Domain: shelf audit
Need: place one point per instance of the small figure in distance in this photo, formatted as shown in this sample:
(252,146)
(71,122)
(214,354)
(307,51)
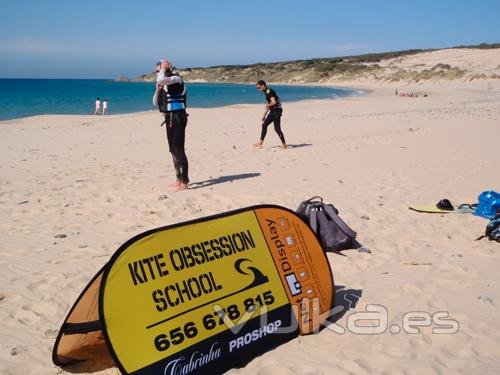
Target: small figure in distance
(105,106)
(97,106)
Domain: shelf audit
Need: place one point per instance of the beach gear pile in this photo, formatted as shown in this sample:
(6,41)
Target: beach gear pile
(489,208)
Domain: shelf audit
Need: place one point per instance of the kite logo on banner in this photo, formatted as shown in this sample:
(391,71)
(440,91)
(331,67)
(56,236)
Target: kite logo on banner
(203,296)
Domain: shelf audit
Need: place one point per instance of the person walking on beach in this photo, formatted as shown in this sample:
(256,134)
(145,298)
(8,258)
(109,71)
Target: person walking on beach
(170,97)
(272,114)
(105,106)
(97,106)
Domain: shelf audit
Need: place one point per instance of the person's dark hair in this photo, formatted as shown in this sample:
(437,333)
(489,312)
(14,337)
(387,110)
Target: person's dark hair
(98,99)
(261,82)
(105,99)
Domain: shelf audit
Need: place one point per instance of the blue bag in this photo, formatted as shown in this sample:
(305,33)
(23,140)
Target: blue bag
(489,204)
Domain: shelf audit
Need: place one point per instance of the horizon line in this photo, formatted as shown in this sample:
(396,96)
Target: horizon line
(472,46)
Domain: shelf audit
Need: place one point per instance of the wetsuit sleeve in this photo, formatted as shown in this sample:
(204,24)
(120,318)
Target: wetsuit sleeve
(163,80)
(155,99)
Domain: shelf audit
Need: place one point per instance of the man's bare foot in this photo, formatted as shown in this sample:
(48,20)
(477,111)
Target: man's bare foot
(284,145)
(175,184)
(258,144)
(182,186)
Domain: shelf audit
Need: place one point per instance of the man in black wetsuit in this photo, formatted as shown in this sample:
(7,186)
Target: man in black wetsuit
(170,97)
(272,114)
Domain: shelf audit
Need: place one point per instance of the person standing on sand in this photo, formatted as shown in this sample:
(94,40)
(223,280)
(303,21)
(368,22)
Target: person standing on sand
(105,106)
(97,106)
(170,97)
(272,114)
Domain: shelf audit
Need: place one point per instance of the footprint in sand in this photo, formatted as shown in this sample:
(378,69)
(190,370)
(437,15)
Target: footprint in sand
(9,298)
(486,299)
(43,284)
(486,347)
(25,317)
(411,289)
(16,350)
(41,309)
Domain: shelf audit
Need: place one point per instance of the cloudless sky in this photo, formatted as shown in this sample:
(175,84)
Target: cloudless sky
(110,38)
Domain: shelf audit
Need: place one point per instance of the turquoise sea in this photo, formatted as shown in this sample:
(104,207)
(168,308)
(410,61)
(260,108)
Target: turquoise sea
(28,97)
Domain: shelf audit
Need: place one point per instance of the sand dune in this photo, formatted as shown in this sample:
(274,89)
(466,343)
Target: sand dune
(413,66)
(73,188)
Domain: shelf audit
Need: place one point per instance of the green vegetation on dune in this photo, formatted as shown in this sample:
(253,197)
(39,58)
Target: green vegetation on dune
(318,70)
(482,46)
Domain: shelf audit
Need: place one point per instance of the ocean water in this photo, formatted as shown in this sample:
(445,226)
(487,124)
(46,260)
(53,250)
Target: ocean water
(28,97)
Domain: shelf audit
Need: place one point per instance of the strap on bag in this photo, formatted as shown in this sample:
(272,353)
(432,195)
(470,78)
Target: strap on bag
(317,197)
(313,220)
(340,223)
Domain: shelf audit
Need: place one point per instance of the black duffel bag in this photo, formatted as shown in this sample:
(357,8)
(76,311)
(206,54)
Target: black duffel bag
(324,220)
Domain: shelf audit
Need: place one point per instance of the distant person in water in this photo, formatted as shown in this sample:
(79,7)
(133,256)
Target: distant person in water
(272,114)
(170,98)
(97,106)
(105,106)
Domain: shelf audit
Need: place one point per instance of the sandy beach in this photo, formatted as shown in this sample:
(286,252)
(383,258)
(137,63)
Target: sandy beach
(74,188)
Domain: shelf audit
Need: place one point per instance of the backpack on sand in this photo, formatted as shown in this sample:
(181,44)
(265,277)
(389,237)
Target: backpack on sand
(334,233)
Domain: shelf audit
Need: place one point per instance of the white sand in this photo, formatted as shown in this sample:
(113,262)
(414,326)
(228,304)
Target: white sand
(98,180)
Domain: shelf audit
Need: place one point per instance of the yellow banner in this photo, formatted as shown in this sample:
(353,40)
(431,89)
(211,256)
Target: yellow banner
(176,287)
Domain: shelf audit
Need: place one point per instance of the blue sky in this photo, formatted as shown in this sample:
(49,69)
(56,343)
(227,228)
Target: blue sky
(109,38)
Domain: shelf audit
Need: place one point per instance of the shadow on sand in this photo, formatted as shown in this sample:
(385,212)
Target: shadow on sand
(356,245)
(345,300)
(299,145)
(221,180)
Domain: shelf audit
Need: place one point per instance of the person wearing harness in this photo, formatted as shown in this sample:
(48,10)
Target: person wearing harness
(272,114)
(170,98)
